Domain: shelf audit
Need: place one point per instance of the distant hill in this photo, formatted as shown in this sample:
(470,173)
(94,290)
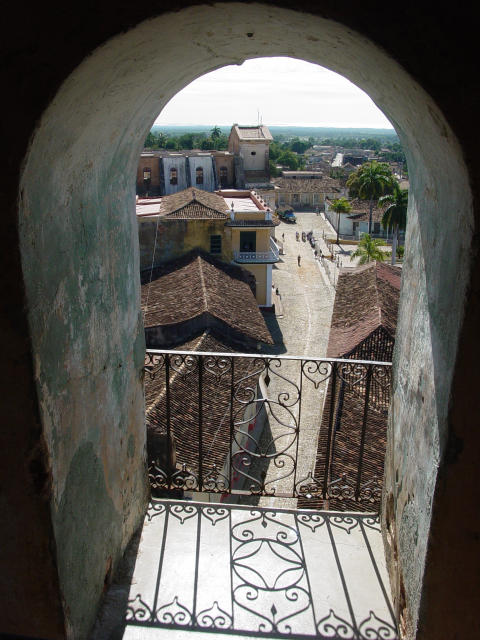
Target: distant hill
(288,131)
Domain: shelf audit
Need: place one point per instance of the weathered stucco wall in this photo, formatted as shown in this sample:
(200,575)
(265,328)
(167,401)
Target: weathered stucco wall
(80,264)
(175,238)
(81,269)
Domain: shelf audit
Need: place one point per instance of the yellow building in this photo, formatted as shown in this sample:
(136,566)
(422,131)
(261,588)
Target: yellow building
(235,226)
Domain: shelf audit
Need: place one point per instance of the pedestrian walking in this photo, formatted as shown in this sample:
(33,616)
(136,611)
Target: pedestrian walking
(298,259)
(283,237)
(316,254)
(297,235)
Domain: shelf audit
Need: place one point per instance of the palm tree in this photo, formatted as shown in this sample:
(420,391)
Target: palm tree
(216,132)
(369,249)
(340,205)
(395,215)
(369,182)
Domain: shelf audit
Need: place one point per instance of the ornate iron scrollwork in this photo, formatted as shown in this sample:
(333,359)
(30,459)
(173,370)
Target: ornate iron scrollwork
(266,390)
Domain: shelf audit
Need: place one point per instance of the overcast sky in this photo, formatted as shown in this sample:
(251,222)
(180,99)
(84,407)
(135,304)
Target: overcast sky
(283,90)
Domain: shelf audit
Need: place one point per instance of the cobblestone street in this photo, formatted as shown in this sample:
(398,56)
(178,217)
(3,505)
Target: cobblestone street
(300,327)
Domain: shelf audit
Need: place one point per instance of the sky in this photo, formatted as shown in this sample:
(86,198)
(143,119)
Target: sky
(282,91)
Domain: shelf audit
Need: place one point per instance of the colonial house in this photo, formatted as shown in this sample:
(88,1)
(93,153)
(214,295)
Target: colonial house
(363,327)
(354,224)
(306,190)
(232,225)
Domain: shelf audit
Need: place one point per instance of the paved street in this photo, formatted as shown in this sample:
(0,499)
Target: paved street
(300,328)
(306,295)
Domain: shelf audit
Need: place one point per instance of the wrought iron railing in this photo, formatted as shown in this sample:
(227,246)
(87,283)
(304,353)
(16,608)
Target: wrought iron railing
(307,428)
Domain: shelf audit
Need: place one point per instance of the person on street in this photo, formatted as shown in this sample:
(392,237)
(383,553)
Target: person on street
(298,259)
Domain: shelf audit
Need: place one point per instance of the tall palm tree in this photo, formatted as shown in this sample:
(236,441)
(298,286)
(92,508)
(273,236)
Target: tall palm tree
(395,215)
(340,205)
(370,181)
(215,133)
(369,249)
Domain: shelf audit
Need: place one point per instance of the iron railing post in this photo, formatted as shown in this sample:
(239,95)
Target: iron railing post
(200,422)
(169,456)
(330,433)
(363,434)
(230,449)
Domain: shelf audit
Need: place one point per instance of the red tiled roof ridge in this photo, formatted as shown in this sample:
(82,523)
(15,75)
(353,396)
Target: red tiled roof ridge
(366,299)
(226,295)
(175,202)
(202,283)
(198,341)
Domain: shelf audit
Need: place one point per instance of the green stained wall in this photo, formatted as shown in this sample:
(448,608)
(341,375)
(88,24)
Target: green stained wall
(174,238)
(81,268)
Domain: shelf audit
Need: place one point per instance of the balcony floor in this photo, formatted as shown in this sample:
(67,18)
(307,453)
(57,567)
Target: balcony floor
(252,572)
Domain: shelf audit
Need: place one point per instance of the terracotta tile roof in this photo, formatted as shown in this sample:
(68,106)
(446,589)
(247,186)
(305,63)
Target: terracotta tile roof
(197,285)
(366,298)
(361,211)
(308,185)
(184,405)
(348,410)
(363,327)
(194,203)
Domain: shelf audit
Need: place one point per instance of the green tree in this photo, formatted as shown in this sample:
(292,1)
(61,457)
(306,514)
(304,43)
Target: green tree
(340,205)
(186,141)
(395,215)
(171,143)
(275,151)
(273,169)
(161,140)
(215,133)
(370,181)
(207,144)
(369,249)
(288,159)
(150,141)
(299,146)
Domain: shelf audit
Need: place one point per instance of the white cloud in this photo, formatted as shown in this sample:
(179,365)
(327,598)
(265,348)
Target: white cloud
(283,90)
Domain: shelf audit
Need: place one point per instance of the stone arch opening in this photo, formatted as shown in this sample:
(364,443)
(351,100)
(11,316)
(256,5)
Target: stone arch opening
(80,263)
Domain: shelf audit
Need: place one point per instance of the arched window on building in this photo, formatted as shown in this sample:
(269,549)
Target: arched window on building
(173,176)
(199,175)
(223,176)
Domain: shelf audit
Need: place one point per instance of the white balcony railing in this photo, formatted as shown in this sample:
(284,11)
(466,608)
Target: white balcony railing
(256,256)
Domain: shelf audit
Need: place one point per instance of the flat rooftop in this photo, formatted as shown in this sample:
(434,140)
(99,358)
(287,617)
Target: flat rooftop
(148,206)
(242,205)
(243,202)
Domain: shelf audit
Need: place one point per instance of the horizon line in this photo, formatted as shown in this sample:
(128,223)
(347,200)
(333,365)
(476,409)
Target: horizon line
(305,126)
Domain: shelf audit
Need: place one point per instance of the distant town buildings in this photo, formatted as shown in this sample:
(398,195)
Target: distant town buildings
(354,224)
(244,166)
(306,190)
